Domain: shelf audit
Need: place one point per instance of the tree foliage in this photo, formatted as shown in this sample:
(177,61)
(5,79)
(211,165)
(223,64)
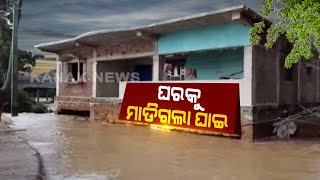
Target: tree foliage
(24,58)
(298,20)
(27,60)
(5,43)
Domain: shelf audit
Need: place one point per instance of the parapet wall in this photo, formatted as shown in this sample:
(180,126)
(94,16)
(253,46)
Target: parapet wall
(107,111)
(71,104)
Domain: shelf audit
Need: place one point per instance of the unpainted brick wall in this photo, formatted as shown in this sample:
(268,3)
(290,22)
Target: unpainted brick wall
(106,112)
(131,47)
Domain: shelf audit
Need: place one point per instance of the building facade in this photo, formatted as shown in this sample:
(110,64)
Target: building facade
(94,68)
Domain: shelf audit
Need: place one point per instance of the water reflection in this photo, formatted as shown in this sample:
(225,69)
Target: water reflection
(76,149)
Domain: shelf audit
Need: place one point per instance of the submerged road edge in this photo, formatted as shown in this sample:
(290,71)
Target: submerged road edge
(19,159)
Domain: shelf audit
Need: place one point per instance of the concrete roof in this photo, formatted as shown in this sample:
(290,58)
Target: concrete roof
(110,37)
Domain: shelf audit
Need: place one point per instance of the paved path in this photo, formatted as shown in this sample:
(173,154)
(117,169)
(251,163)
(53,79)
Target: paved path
(18,160)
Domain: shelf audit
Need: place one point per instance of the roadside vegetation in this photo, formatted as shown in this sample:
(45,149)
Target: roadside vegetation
(26,59)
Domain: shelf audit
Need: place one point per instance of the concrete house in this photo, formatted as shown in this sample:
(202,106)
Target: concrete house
(207,47)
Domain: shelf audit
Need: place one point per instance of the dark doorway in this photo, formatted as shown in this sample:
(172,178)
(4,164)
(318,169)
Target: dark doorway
(145,72)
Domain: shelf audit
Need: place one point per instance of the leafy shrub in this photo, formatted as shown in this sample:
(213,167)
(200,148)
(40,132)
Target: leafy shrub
(27,104)
(39,108)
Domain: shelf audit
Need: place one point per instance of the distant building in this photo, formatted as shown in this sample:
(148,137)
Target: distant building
(40,83)
(208,47)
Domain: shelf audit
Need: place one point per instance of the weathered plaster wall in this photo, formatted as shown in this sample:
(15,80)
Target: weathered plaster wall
(265,92)
(265,75)
(288,92)
(303,87)
(212,65)
(288,81)
(211,37)
(288,87)
(309,83)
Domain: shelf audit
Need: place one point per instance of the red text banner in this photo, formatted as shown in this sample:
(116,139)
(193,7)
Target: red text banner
(211,107)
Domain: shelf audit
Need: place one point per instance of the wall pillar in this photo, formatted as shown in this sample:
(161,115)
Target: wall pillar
(58,75)
(94,74)
(246,95)
(158,68)
(247,88)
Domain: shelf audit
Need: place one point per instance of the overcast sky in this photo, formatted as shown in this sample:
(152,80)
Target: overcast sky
(50,20)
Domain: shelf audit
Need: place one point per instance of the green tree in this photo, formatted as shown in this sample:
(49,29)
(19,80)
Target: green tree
(298,20)
(24,57)
(5,44)
(27,60)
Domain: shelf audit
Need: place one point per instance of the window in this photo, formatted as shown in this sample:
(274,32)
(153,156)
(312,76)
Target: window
(73,71)
(76,70)
(174,70)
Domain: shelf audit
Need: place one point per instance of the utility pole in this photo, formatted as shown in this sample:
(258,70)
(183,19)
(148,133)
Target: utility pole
(15,66)
(14,76)
(16,15)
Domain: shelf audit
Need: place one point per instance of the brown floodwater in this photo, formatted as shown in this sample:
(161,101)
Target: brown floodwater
(73,148)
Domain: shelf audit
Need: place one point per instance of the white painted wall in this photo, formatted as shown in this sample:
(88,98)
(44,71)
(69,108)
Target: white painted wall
(122,89)
(246,82)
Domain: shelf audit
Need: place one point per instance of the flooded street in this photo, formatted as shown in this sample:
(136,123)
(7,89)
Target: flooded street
(73,148)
